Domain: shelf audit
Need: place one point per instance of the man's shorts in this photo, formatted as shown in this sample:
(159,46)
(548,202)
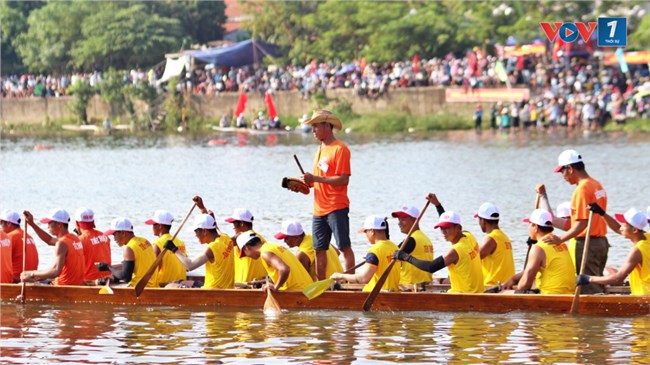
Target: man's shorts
(337,223)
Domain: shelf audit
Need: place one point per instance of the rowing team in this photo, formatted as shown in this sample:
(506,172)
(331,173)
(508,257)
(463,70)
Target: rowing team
(85,258)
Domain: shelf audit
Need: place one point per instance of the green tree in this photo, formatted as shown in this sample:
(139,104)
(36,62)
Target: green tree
(52,31)
(13,21)
(123,36)
(82,92)
(201,21)
(640,39)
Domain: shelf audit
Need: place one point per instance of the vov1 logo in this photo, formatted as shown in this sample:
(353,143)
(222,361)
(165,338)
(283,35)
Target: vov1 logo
(612,32)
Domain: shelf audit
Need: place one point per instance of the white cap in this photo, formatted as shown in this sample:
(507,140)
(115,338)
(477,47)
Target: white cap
(240,214)
(447,219)
(119,224)
(633,217)
(57,215)
(407,210)
(84,215)
(563,210)
(204,221)
(374,222)
(10,216)
(540,217)
(161,217)
(243,239)
(567,157)
(289,228)
(488,211)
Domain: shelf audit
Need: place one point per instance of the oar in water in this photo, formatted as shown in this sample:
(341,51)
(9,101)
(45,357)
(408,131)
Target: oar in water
(22,287)
(317,288)
(583,264)
(382,279)
(271,304)
(145,279)
(106,289)
(530,244)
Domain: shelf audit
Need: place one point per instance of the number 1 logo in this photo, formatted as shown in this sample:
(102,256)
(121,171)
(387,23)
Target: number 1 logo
(612,32)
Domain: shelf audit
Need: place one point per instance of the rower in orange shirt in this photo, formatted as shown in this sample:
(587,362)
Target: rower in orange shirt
(10,223)
(69,264)
(97,245)
(6,268)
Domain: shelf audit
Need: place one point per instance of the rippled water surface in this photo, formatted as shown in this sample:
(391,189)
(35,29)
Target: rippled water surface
(125,176)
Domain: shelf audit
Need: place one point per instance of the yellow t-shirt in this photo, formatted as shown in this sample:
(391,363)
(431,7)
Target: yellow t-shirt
(144,258)
(383,250)
(171,269)
(572,251)
(247,269)
(640,276)
(298,277)
(220,274)
(499,266)
(333,262)
(423,250)
(559,275)
(466,275)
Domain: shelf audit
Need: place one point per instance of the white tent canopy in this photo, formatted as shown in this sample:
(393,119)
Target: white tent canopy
(174,67)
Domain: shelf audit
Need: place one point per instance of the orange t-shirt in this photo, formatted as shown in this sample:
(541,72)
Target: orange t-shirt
(6,268)
(589,191)
(332,160)
(31,262)
(97,248)
(75,265)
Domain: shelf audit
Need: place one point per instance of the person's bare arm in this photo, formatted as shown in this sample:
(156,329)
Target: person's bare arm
(362,276)
(40,232)
(283,269)
(340,180)
(634,258)
(487,246)
(60,252)
(535,261)
(304,260)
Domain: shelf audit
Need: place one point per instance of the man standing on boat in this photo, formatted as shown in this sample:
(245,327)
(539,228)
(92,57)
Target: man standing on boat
(284,269)
(246,269)
(294,236)
(418,246)
(10,224)
(137,258)
(588,191)
(549,265)
(462,260)
(496,250)
(218,256)
(171,269)
(330,178)
(97,245)
(69,264)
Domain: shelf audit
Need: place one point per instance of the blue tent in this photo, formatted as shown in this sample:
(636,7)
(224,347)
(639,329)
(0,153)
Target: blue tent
(240,54)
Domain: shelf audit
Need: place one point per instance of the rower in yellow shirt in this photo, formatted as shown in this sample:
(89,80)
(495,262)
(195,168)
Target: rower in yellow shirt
(138,255)
(462,259)
(549,265)
(246,269)
(294,235)
(283,268)
(496,250)
(378,258)
(418,246)
(171,269)
(637,263)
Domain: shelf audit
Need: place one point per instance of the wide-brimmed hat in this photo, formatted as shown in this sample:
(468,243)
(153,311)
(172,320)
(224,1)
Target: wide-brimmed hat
(320,116)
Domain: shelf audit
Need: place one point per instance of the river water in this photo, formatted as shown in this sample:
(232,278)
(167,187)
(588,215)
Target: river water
(125,176)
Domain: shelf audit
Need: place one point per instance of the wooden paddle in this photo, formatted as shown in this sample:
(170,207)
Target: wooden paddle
(271,304)
(145,279)
(22,286)
(528,252)
(583,264)
(317,288)
(375,291)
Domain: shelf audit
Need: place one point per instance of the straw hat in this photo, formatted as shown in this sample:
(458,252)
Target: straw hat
(326,116)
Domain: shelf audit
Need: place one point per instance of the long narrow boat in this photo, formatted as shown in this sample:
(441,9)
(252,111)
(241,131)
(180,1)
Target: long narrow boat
(609,305)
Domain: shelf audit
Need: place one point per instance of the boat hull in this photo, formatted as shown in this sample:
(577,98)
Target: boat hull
(610,305)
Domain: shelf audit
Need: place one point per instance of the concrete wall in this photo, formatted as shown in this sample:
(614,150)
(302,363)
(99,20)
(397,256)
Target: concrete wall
(414,101)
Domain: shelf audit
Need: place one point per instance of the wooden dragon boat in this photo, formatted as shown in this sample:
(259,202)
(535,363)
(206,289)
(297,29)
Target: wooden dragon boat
(604,305)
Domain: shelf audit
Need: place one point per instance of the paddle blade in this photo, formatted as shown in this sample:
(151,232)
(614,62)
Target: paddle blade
(315,289)
(271,305)
(377,288)
(106,290)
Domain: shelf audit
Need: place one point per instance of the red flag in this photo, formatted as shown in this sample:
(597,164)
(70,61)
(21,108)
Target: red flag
(557,46)
(416,63)
(270,106)
(520,63)
(241,104)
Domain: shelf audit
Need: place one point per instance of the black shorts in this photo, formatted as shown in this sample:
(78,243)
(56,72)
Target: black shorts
(337,223)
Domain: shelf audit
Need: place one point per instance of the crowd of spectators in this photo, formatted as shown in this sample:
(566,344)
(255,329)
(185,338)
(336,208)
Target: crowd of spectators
(567,92)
